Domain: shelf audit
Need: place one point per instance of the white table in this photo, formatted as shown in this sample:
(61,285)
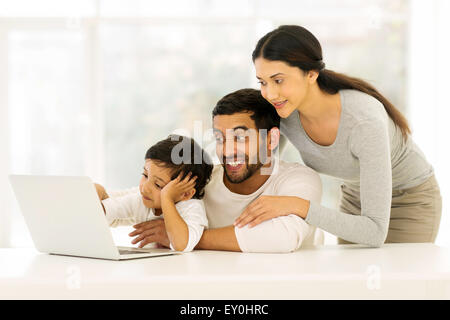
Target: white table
(394,271)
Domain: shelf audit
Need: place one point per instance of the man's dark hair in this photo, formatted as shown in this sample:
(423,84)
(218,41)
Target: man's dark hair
(249,100)
(194,159)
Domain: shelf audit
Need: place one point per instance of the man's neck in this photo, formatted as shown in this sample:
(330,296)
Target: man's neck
(251,184)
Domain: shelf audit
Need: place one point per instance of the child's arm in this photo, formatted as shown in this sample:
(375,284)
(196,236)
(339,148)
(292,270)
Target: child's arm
(126,210)
(176,228)
(102,195)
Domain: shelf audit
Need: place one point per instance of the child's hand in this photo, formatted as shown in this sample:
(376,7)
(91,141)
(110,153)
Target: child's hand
(101,192)
(176,189)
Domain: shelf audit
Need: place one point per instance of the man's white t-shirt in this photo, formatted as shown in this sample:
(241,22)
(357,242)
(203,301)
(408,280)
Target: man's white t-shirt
(127,208)
(281,234)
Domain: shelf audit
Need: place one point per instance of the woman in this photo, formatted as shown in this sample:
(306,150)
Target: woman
(343,127)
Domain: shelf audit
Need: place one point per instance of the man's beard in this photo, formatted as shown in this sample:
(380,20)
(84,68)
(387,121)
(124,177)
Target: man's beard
(250,170)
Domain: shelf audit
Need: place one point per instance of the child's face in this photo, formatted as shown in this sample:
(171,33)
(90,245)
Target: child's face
(154,178)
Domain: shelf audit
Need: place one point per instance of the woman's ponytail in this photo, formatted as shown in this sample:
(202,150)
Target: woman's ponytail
(299,48)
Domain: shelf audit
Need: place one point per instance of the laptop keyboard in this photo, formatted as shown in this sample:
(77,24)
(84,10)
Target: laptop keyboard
(131,252)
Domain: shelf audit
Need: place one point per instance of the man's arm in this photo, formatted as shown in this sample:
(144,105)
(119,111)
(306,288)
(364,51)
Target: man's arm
(282,234)
(219,239)
(212,239)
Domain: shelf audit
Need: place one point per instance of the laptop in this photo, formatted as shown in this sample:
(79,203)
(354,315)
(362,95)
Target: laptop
(65,217)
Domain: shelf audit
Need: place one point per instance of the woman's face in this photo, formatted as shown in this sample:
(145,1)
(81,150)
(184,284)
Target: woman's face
(285,87)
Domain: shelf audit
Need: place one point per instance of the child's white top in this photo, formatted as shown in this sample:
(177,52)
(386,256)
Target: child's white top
(127,208)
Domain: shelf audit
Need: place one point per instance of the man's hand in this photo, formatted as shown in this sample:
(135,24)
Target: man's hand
(150,231)
(101,192)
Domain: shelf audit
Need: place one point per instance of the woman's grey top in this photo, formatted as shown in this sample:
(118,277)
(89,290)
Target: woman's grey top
(370,156)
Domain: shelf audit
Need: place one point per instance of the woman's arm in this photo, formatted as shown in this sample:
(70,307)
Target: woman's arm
(268,207)
(370,144)
(293,192)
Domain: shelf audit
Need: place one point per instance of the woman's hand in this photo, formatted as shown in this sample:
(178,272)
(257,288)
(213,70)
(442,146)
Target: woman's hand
(269,207)
(150,231)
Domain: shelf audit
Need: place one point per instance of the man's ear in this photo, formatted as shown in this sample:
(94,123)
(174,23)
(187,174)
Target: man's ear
(274,138)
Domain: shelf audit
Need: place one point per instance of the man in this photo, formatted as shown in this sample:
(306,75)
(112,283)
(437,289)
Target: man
(248,176)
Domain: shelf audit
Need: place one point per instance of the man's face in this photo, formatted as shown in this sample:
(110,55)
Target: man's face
(238,145)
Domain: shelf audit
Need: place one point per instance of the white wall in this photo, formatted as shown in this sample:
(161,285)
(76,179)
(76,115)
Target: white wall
(429,106)
(5,191)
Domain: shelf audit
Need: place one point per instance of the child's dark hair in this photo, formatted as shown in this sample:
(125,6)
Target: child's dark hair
(183,155)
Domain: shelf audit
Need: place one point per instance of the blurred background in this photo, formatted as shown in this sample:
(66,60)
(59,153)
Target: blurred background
(86,86)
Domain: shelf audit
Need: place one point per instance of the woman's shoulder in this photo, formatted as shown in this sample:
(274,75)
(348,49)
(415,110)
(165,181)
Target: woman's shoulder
(361,107)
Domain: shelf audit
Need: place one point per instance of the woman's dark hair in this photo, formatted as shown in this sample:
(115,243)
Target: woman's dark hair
(183,155)
(251,101)
(299,48)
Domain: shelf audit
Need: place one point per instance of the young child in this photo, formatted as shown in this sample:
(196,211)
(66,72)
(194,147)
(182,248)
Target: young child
(168,187)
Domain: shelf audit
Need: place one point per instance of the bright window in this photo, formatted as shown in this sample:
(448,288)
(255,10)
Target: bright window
(90,85)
